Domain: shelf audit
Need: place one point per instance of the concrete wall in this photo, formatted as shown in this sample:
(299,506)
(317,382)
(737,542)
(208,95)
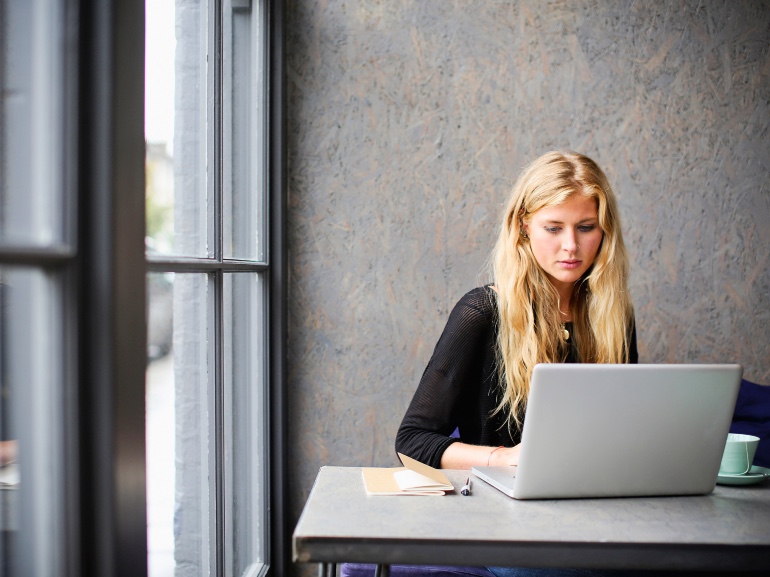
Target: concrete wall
(408,122)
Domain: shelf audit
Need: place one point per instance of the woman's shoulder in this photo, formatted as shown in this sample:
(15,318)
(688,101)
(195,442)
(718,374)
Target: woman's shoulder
(474,313)
(487,291)
(480,299)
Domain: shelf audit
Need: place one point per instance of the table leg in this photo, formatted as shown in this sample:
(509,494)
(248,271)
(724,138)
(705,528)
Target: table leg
(327,570)
(383,570)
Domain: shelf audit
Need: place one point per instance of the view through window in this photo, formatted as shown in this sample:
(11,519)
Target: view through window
(207,289)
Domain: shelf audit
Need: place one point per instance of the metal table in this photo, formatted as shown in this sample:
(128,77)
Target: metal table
(726,530)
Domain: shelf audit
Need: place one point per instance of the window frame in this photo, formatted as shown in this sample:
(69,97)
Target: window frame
(279,529)
(274,266)
(112,329)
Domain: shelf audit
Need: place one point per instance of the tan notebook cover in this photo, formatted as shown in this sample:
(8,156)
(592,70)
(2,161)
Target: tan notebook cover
(414,478)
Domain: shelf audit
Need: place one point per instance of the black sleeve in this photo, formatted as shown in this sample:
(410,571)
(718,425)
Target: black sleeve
(456,365)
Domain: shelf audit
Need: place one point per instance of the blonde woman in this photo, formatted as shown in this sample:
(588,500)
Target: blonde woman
(559,294)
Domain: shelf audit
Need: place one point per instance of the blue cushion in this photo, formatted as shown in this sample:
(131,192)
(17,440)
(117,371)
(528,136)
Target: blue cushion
(364,570)
(752,417)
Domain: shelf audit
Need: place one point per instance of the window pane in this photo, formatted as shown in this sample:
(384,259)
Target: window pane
(245,421)
(178,424)
(243,86)
(31,430)
(31,122)
(176,128)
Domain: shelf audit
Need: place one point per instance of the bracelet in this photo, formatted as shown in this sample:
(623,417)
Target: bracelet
(490,454)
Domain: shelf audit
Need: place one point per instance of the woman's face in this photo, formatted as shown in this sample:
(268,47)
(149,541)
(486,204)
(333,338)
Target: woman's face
(565,239)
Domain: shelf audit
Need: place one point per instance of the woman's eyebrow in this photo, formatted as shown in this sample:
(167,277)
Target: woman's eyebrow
(587,219)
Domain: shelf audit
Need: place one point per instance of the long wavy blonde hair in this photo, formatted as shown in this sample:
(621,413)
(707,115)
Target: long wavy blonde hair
(530,329)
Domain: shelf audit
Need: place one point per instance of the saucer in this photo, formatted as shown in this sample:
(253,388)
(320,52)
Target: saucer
(755,475)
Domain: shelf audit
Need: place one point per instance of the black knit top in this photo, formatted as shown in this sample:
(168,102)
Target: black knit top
(459,388)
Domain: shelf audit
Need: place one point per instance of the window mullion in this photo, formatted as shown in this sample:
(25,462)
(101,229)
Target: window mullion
(216,157)
(217,457)
(216,162)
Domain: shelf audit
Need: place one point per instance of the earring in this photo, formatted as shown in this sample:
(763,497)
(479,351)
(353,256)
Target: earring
(523,233)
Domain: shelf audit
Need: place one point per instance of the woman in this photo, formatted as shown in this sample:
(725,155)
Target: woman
(559,294)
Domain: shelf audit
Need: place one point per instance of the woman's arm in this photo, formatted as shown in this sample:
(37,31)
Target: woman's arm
(464,456)
(453,376)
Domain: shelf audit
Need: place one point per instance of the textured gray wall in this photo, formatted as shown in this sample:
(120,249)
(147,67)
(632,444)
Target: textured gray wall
(408,122)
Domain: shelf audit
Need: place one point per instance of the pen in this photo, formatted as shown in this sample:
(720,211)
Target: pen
(466,489)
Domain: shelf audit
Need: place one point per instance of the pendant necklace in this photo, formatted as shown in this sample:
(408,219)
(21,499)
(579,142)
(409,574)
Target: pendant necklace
(564,330)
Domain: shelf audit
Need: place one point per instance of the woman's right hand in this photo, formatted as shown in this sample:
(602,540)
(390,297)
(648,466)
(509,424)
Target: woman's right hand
(461,456)
(505,456)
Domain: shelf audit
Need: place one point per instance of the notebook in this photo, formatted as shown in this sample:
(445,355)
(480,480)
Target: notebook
(598,430)
(414,478)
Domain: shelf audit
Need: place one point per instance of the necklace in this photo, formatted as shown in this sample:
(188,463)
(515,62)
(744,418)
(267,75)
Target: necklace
(564,330)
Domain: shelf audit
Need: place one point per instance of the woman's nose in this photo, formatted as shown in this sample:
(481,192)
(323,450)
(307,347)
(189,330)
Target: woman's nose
(570,242)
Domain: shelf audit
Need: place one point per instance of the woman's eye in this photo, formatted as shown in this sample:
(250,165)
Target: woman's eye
(586,227)
(552,229)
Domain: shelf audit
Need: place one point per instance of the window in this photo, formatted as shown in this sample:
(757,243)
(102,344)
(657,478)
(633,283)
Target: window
(141,343)
(36,264)
(208,288)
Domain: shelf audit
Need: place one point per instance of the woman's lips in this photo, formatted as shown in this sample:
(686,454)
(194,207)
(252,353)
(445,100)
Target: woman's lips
(569,264)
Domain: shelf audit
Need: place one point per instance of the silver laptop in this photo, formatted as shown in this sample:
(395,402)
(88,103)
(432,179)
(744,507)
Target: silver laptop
(594,430)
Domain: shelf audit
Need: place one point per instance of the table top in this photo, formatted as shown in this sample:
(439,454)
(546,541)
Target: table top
(727,529)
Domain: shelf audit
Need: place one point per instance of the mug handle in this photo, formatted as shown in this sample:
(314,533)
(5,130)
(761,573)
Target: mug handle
(746,446)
